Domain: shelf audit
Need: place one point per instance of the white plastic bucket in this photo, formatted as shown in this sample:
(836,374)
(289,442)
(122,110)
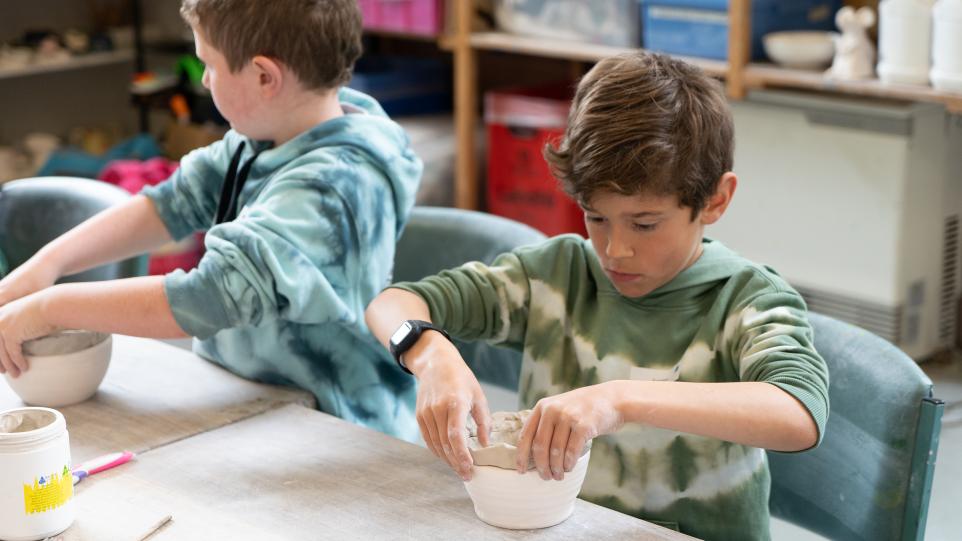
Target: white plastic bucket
(36,486)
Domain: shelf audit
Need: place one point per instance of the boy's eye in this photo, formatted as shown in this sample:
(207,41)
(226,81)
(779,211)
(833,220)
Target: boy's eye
(594,219)
(644,227)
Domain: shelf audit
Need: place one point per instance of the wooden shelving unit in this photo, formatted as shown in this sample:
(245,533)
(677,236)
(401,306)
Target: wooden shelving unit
(768,75)
(739,75)
(88,60)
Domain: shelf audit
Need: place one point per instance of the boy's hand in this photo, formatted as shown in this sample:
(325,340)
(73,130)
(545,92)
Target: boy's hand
(20,320)
(27,279)
(448,390)
(561,425)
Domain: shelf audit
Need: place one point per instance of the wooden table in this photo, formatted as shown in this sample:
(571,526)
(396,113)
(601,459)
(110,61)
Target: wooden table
(231,459)
(296,473)
(155,394)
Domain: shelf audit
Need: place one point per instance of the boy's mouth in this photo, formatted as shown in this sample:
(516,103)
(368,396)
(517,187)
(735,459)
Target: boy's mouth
(621,277)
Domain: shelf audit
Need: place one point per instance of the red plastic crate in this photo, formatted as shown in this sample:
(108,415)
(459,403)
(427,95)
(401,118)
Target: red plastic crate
(520,183)
(424,17)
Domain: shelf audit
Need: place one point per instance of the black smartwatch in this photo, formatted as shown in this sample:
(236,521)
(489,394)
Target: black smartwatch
(406,335)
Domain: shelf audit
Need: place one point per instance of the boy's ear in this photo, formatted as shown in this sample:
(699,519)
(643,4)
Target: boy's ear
(718,202)
(270,75)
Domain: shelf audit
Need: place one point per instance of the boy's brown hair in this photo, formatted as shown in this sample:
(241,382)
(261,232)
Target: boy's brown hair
(645,123)
(319,40)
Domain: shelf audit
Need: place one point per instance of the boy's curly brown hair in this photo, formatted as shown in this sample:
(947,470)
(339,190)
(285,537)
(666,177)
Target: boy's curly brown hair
(645,123)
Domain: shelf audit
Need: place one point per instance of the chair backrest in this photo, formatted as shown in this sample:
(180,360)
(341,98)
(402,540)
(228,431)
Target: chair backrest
(436,239)
(35,211)
(871,477)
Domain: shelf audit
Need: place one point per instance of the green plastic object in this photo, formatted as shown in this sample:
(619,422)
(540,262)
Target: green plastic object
(193,67)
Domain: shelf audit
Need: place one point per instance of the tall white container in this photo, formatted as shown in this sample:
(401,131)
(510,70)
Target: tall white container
(947,45)
(905,41)
(36,485)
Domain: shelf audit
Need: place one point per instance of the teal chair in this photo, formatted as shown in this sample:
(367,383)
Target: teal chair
(35,211)
(438,238)
(871,477)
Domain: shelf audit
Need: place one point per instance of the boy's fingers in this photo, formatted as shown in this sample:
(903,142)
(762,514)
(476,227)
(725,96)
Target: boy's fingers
(557,450)
(16,354)
(441,425)
(427,427)
(527,436)
(576,443)
(542,442)
(482,417)
(458,441)
(7,361)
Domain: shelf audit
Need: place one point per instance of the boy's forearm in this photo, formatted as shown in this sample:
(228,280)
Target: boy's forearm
(391,308)
(120,232)
(749,413)
(133,306)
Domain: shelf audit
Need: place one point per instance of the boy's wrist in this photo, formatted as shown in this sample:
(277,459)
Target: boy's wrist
(431,345)
(48,261)
(627,398)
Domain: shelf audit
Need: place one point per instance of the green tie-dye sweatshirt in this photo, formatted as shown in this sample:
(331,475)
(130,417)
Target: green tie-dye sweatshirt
(723,319)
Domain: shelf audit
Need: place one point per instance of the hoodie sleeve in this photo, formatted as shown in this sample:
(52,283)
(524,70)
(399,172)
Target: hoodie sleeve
(291,256)
(772,342)
(187,201)
(479,302)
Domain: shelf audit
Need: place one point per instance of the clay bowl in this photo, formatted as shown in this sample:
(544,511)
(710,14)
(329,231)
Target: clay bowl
(800,49)
(64,368)
(507,499)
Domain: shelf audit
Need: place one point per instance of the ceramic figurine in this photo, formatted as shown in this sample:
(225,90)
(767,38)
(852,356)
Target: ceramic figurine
(854,52)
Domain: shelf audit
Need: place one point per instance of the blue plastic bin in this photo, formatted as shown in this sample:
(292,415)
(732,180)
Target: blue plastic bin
(700,27)
(405,85)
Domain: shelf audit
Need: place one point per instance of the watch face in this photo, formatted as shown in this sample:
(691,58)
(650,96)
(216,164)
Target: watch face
(401,333)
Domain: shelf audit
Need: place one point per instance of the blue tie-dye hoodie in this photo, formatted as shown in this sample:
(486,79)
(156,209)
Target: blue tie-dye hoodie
(280,294)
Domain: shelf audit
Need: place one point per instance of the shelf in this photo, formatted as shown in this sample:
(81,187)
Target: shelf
(76,62)
(572,50)
(768,75)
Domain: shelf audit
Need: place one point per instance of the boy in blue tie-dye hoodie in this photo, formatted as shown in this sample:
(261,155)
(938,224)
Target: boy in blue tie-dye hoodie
(303,202)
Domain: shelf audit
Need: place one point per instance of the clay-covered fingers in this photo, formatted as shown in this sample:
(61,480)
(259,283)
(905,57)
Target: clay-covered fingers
(450,416)
(558,446)
(579,437)
(11,358)
(429,432)
(526,439)
(482,418)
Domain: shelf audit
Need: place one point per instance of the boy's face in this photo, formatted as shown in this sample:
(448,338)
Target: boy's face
(235,94)
(643,241)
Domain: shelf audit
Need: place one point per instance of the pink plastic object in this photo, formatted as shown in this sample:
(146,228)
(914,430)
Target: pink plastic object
(133,175)
(424,17)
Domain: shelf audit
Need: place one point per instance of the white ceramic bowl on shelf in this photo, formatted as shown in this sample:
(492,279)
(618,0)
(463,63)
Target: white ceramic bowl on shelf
(801,49)
(507,499)
(64,368)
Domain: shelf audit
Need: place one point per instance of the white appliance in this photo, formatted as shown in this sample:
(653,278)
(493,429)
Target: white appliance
(857,204)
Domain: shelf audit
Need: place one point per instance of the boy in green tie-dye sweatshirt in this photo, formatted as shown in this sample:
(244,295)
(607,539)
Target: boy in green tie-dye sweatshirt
(680,359)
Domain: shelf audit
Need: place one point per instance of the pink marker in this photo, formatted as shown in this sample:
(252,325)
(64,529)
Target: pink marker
(99,464)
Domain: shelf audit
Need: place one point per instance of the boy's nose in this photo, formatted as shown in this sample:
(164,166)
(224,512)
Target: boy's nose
(617,248)
(205,80)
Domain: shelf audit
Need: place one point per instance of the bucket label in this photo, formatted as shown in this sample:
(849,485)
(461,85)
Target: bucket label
(48,492)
